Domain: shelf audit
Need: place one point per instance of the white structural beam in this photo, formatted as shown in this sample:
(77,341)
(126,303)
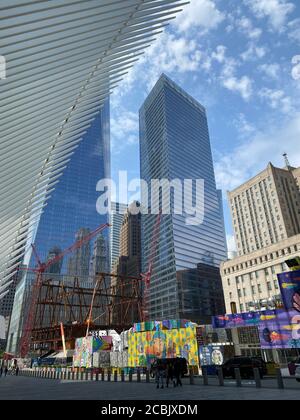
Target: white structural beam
(63,58)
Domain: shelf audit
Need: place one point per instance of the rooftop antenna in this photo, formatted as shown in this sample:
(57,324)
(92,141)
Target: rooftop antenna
(286,159)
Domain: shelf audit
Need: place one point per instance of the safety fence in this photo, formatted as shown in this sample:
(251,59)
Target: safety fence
(145,376)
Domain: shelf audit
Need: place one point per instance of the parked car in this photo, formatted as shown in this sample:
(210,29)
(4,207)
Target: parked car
(293,366)
(246,366)
(183,362)
(297,374)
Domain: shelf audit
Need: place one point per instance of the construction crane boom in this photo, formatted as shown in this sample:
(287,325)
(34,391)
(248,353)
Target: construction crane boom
(42,268)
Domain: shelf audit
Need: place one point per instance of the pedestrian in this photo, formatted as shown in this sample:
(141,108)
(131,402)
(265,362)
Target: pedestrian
(177,373)
(160,375)
(17,370)
(170,374)
(1,371)
(5,370)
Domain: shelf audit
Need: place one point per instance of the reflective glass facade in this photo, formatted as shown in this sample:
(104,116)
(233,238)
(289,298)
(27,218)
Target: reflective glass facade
(69,215)
(175,144)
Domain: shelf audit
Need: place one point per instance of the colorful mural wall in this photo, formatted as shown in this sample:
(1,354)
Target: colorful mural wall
(278,329)
(146,346)
(85,348)
(290,289)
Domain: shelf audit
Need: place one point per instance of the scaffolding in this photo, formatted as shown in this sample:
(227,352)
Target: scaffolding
(114,303)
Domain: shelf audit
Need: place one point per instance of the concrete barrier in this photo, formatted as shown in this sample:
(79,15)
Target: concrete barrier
(257,378)
(220,377)
(279,379)
(192,379)
(205,376)
(238,377)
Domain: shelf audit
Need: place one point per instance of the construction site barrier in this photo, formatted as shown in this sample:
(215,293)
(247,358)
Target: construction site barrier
(106,375)
(238,377)
(257,378)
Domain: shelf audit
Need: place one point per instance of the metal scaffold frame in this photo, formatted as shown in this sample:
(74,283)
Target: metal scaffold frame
(110,305)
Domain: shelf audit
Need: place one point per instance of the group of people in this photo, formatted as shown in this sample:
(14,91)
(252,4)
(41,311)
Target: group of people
(168,373)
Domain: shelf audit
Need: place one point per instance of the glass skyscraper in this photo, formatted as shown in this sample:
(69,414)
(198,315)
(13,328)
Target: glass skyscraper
(175,144)
(69,215)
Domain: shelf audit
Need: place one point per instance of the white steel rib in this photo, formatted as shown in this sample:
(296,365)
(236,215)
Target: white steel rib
(63,58)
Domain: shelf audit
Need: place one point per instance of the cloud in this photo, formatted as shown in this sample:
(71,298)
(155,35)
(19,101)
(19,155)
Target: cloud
(294,30)
(199,14)
(228,77)
(242,85)
(277,99)
(270,70)
(276,11)
(243,126)
(169,54)
(296,68)
(124,130)
(254,52)
(246,27)
(252,156)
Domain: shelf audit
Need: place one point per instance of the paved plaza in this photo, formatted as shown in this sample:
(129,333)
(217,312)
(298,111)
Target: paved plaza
(24,388)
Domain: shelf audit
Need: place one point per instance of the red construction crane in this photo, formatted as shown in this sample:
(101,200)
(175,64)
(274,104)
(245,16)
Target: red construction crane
(42,268)
(147,276)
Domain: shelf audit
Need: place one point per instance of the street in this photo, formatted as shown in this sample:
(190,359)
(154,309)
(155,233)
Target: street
(24,388)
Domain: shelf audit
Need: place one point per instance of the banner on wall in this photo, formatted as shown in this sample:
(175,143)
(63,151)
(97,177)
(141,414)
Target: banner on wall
(85,347)
(281,331)
(290,290)
(147,346)
(211,355)
(278,329)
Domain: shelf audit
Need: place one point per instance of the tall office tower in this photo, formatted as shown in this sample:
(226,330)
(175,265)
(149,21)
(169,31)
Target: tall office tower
(175,144)
(79,262)
(99,260)
(56,267)
(129,262)
(266,209)
(116,220)
(130,242)
(70,213)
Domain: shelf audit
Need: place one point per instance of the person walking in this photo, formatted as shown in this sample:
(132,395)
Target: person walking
(160,375)
(6,370)
(177,373)
(1,371)
(170,374)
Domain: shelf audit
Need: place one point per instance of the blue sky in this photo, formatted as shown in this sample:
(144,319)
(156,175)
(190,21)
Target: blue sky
(241,60)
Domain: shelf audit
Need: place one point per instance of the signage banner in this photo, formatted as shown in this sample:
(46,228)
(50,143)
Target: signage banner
(281,331)
(278,329)
(290,290)
(211,355)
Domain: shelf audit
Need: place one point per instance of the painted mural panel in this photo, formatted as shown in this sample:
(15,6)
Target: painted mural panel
(146,346)
(290,289)
(83,356)
(281,330)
